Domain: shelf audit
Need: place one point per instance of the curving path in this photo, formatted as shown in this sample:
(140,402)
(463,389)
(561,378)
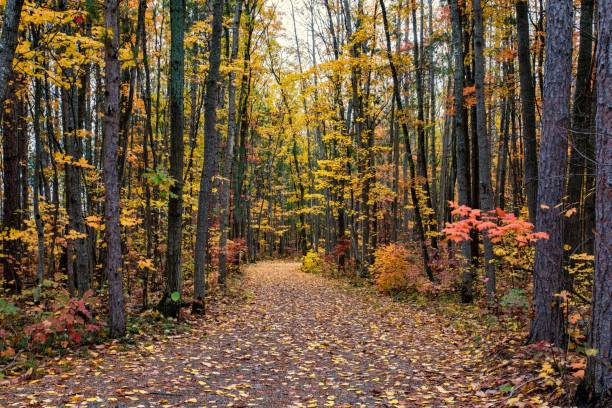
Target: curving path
(297,340)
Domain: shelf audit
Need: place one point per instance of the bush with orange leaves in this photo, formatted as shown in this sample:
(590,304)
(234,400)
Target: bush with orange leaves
(397,269)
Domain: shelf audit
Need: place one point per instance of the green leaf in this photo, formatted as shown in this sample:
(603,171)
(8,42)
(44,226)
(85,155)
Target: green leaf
(590,352)
(175,296)
(7,308)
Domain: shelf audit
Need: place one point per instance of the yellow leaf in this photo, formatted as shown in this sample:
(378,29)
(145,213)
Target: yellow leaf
(570,212)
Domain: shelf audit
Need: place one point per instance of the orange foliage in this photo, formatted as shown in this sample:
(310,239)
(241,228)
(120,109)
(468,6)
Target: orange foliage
(396,269)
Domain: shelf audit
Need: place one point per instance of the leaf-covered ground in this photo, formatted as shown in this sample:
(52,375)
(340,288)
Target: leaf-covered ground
(296,340)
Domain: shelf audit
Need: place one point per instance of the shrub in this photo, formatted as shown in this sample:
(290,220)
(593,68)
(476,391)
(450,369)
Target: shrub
(313,262)
(396,269)
(70,323)
(511,236)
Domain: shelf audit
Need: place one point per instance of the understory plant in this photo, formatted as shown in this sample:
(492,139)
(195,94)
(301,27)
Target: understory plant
(315,263)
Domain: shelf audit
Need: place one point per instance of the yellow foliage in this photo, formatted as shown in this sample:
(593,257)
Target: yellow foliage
(315,263)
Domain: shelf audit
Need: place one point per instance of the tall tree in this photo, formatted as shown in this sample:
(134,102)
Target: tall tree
(484,147)
(527,92)
(174,277)
(112,211)
(598,379)
(147,141)
(13,129)
(210,157)
(578,234)
(224,188)
(462,150)
(549,277)
(79,254)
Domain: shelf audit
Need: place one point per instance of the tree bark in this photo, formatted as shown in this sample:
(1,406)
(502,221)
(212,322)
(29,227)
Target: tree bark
(210,158)
(8,42)
(463,175)
(112,211)
(484,149)
(12,131)
(578,231)
(598,378)
(224,188)
(549,279)
(38,176)
(174,278)
(530,181)
(147,140)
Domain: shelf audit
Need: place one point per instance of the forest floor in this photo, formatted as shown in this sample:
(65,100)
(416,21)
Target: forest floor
(294,339)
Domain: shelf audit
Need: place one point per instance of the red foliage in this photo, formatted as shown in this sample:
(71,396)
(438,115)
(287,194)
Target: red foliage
(233,251)
(68,324)
(341,248)
(235,248)
(497,224)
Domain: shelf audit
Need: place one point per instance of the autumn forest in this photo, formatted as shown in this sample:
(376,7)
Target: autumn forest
(306,203)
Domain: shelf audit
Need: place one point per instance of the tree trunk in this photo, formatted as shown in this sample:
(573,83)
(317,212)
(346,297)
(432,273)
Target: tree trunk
(224,188)
(112,190)
(598,379)
(549,279)
(527,108)
(174,278)
(463,175)
(210,158)
(581,168)
(147,139)
(12,130)
(484,149)
(38,176)
(8,42)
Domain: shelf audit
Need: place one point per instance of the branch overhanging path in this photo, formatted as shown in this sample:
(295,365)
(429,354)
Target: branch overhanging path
(296,340)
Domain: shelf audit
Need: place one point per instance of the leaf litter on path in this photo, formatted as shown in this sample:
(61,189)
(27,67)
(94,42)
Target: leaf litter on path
(299,340)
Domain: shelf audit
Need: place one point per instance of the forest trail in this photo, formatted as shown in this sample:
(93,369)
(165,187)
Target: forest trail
(297,340)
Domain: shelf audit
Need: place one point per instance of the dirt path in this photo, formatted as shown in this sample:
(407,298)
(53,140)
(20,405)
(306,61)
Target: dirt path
(299,340)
